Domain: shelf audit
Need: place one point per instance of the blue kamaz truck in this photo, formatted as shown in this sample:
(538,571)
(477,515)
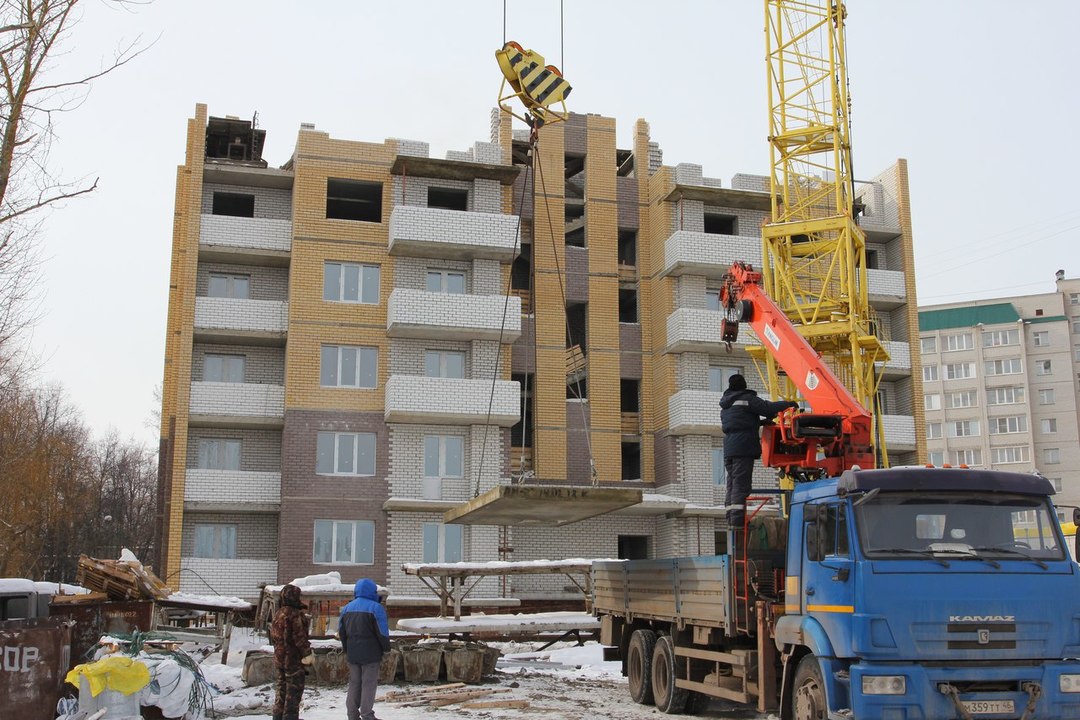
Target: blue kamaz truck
(892,594)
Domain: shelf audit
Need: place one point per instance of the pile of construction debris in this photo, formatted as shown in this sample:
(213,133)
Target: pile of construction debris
(123,579)
(465,697)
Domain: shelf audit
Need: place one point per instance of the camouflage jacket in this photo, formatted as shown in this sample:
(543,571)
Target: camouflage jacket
(289,635)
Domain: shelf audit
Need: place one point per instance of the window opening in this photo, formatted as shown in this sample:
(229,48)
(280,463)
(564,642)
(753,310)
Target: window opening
(627,251)
(716,224)
(448,198)
(633,547)
(628,306)
(234,204)
(631,461)
(226,285)
(353,200)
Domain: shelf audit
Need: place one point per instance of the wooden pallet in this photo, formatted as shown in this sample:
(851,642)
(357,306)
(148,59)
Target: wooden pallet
(120,580)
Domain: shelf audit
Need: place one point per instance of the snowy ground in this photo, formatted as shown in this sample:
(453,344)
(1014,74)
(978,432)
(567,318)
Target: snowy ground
(565,681)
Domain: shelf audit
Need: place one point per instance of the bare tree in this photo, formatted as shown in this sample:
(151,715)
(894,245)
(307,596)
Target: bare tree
(32,34)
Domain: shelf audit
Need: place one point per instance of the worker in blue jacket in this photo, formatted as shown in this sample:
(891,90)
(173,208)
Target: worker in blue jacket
(742,413)
(365,638)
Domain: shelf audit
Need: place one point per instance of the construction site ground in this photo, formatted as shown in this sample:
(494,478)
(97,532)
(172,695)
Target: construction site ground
(564,681)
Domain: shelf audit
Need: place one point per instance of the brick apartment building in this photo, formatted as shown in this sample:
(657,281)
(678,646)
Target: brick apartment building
(1001,387)
(335,326)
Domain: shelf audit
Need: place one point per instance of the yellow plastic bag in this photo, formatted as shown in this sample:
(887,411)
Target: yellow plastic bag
(122,674)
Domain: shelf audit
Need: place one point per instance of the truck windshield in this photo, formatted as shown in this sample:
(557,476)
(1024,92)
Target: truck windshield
(958,526)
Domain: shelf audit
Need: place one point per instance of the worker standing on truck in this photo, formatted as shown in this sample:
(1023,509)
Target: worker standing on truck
(742,413)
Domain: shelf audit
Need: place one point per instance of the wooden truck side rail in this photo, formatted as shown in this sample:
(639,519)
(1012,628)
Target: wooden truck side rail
(684,591)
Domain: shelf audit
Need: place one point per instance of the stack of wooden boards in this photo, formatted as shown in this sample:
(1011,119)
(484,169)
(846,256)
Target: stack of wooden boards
(460,694)
(120,579)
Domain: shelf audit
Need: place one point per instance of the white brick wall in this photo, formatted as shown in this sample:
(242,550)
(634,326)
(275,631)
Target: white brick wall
(692,330)
(434,232)
(228,486)
(215,313)
(237,400)
(419,314)
(235,578)
(453,401)
(247,233)
(899,432)
(695,412)
(742,181)
(885,282)
(698,253)
(899,357)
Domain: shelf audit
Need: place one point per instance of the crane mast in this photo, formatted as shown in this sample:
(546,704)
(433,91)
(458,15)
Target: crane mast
(814,253)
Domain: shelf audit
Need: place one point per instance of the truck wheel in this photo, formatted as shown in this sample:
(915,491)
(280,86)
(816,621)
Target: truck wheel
(639,658)
(808,696)
(669,699)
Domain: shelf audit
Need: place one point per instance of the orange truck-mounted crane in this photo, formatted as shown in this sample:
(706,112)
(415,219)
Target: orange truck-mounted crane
(838,434)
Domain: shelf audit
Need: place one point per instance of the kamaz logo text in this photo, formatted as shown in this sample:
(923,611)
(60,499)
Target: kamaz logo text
(982,618)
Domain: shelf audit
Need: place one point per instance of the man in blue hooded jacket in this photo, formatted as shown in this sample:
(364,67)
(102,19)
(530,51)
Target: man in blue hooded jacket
(365,638)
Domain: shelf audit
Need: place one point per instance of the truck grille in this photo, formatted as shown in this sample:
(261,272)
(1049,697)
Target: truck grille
(981,636)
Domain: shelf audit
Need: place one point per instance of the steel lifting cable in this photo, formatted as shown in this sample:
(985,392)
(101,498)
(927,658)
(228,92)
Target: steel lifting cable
(502,324)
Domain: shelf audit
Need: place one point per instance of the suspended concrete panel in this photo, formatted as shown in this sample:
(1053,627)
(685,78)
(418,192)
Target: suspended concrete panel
(552,505)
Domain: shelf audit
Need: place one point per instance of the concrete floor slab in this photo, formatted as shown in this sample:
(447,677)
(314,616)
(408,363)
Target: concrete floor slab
(551,505)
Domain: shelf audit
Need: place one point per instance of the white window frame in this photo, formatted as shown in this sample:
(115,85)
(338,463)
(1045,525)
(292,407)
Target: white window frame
(365,375)
(957,342)
(1044,367)
(1016,393)
(719,472)
(928,345)
(368,281)
(960,371)
(1048,426)
(932,401)
(933,431)
(999,338)
(963,399)
(1076,326)
(722,373)
(1003,366)
(215,453)
(1074,298)
(1056,481)
(230,286)
(225,367)
(1046,396)
(443,543)
(361,531)
(929,373)
(325,438)
(437,448)
(1009,455)
(1008,425)
(935,457)
(962,428)
(444,277)
(1051,456)
(712,299)
(969,457)
(442,356)
(221,538)
(1040,338)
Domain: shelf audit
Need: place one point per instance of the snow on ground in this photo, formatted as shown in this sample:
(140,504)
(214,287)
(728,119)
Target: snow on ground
(565,682)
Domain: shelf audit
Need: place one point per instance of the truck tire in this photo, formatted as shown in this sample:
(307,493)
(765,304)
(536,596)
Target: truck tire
(669,699)
(639,666)
(808,696)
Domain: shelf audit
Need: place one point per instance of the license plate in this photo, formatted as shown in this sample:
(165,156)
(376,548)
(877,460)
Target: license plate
(988,707)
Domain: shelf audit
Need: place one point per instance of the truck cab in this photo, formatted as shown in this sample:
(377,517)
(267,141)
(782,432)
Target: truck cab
(929,593)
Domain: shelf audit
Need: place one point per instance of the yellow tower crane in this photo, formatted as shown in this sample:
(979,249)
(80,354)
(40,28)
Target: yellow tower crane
(814,253)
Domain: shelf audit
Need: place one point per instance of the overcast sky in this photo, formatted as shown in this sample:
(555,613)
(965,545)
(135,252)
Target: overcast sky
(978,95)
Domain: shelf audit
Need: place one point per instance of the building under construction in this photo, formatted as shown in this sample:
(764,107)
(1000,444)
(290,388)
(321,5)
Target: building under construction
(368,338)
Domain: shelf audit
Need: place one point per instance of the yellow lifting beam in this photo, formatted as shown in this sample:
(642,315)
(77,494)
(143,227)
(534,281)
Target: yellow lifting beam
(538,86)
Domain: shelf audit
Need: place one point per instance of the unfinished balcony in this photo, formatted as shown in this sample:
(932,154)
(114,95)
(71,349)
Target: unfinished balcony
(244,240)
(698,330)
(899,365)
(899,433)
(452,234)
(237,321)
(445,316)
(231,491)
(451,401)
(694,412)
(886,289)
(236,405)
(708,254)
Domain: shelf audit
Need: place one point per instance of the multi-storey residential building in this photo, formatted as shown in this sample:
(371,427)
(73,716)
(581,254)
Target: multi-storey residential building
(368,337)
(1000,382)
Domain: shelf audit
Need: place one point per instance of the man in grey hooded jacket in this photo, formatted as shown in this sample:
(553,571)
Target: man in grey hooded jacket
(365,638)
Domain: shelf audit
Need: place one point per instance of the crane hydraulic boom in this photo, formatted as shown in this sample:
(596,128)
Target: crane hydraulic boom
(837,434)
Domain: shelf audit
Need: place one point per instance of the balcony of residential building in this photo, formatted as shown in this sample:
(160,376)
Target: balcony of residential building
(708,254)
(225,404)
(899,364)
(233,320)
(245,240)
(458,234)
(231,491)
(886,288)
(237,577)
(694,412)
(899,433)
(446,316)
(452,401)
(698,330)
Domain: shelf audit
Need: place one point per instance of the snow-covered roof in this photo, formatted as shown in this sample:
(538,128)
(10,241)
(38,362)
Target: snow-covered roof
(22,585)
(500,567)
(322,584)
